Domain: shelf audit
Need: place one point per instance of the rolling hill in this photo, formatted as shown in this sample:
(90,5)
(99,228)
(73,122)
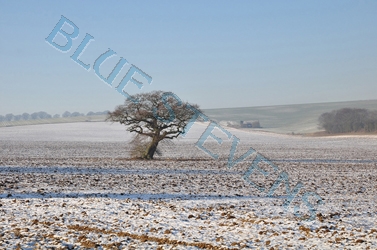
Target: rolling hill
(296,118)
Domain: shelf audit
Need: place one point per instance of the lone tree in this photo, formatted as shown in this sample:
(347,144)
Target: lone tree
(158,115)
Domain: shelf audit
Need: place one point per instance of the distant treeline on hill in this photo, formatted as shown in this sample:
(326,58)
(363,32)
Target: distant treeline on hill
(349,120)
(44,115)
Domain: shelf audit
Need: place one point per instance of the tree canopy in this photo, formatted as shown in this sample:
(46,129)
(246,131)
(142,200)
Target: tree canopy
(158,115)
(349,120)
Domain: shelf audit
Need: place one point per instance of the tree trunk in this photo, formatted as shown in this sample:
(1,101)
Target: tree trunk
(151,149)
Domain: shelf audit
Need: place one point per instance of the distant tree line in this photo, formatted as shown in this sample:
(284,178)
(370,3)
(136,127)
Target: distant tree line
(349,120)
(44,115)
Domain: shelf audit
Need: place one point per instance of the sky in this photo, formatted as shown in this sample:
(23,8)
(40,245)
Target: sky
(217,54)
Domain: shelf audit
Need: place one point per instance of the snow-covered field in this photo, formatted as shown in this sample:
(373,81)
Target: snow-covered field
(71,186)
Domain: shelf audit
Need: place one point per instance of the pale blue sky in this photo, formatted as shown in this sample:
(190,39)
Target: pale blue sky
(217,54)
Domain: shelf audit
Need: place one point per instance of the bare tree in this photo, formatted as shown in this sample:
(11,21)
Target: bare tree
(158,115)
(66,114)
(349,120)
(25,116)
(17,117)
(76,114)
(9,117)
(371,122)
(43,115)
